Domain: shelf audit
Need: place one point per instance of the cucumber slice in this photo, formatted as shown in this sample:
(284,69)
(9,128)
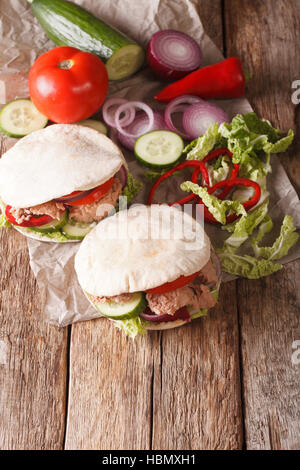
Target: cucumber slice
(77,230)
(123,311)
(97,125)
(159,149)
(125,62)
(52,226)
(20,117)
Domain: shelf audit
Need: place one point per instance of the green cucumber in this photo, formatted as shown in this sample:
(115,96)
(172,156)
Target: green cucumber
(68,24)
(53,226)
(77,230)
(159,149)
(20,117)
(124,310)
(93,124)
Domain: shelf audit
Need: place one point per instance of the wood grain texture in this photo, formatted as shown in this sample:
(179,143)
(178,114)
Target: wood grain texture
(110,392)
(265,35)
(32,357)
(269,326)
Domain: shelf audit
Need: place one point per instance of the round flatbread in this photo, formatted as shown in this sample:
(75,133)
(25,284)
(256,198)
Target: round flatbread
(56,161)
(139,249)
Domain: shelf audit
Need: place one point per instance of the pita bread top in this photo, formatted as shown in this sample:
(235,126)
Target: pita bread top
(55,161)
(139,249)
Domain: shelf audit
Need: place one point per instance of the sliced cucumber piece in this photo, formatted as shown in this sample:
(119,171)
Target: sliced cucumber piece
(125,62)
(123,311)
(97,125)
(159,149)
(77,230)
(52,226)
(20,117)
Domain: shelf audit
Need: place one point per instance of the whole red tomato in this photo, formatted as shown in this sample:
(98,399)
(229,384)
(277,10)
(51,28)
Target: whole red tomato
(68,85)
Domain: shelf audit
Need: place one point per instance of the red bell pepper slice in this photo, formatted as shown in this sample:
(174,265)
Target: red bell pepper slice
(187,163)
(236,166)
(34,221)
(225,79)
(230,183)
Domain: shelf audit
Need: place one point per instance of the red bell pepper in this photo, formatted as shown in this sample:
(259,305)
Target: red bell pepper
(225,79)
(187,163)
(230,183)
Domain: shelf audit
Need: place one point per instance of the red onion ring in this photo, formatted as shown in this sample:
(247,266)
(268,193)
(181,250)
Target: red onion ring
(181,314)
(173,107)
(125,120)
(198,117)
(65,199)
(139,125)
(122,175)
(136,104)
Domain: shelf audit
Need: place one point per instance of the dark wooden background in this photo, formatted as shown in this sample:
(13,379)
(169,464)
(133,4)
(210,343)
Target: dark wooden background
(226,381)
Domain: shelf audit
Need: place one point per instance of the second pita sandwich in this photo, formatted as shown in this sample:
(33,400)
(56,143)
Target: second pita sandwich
(149,268)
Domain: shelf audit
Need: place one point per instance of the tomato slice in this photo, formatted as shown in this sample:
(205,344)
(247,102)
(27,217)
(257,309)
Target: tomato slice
(34,221)
(94,195)
(168,286)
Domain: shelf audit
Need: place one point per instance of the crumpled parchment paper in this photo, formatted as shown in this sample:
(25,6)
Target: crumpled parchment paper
(22,40)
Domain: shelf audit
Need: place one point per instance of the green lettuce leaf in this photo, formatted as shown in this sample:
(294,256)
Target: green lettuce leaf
(265,227)
(216,207)
(199,148)
(243,228)
(287,238)
(132,327)
(252,140)
(132,187)
(3,221)
(247,266)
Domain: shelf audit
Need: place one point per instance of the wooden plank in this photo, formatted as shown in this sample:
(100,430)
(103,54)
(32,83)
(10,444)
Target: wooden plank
(32,357)
(197,386)
(265,35)
(110,394)
(269,326)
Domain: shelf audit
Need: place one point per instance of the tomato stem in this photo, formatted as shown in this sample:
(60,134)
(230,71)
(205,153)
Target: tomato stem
(66,64)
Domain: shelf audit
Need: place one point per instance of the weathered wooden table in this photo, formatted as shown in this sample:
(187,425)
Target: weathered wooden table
(225,382)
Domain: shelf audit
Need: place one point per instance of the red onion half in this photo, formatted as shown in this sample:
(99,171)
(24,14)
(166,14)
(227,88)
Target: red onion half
(172,54)
(198,117)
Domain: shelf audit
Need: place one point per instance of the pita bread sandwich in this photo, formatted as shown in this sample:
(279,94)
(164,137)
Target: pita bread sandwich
(57,183)
(149,268)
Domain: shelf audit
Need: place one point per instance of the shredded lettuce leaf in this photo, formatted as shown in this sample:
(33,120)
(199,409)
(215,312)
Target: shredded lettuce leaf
(243,228)
(247,266)
(199,148)
(3,221)
(287,238)
(132,327)
(265,227)
(217,207)
(132,187)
